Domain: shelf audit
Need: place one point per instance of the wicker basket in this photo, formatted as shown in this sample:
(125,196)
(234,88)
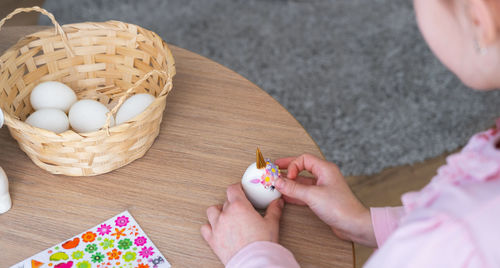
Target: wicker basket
(107,62)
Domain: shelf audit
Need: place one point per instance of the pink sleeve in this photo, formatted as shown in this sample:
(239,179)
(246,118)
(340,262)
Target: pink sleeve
(263,254)
(385,220)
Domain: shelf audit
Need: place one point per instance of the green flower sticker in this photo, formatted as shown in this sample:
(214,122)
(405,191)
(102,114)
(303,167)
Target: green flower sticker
(84,264)
(98,257)
(124,244)
(129,256)
(107,243)
(77,255)
(91,248)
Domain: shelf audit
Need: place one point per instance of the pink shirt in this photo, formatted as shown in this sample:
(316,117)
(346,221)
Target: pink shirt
(454,221)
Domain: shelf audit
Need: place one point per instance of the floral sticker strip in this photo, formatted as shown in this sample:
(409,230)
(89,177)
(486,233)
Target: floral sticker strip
(117,242)
(269,177)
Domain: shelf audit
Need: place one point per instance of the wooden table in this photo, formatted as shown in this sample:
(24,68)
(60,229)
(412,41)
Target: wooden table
(213,123)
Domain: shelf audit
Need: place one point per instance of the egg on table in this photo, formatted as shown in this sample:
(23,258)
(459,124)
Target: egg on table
(50,119)
(133,106)
(258,182)
(52,94)
(88,116)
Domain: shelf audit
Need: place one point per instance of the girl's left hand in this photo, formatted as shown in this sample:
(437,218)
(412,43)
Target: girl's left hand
(236,224)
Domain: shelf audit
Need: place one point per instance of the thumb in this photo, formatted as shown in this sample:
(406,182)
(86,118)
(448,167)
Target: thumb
(293,189)
(274,210)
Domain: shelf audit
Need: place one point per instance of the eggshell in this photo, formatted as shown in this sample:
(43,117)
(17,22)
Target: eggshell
(52,94)
(50,119)
(88,116)
(5,201)
(133,106)
(258,191)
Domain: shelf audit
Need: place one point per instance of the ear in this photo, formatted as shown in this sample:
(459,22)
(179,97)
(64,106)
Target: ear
(483,15)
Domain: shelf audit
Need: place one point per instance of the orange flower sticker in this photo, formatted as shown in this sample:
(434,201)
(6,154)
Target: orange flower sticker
(143,266)
(119,233)
(88,237)
(114,255)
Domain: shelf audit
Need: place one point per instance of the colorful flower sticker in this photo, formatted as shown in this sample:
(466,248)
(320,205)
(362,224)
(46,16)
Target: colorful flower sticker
(91,248)
(84,264)
(114,255)
(272,173)
(88,237)
(121,221)
(119,233)
(124,244)
(133,230)
(98,257)
(129,256)
(107,243)
(78,254)
(118,242)
(104,229)
(140,241)
(146,252)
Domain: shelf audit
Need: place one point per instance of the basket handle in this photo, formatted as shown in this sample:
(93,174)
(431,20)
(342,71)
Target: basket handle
(166,89)
(58,28)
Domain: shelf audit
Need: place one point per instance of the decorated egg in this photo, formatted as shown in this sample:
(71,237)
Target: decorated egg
(133,106)
(258,182)
(50,119)
(88,116)
(52,94)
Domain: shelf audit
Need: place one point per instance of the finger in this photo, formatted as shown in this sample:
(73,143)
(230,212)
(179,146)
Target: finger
(235,193)
(225,205)
(301,180)
(306,180)
(274,210)
(307,162)
(213,214)
(293,189)
(291,200)
(284,162)
(206,232)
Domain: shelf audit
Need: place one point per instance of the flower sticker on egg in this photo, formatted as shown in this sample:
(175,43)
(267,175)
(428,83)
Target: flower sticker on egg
(268,178)
(258,182)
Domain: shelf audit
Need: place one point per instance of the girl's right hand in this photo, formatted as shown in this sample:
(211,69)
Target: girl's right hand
(328,195)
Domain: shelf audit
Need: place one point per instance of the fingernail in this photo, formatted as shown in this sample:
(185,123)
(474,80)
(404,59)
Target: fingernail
(279,183)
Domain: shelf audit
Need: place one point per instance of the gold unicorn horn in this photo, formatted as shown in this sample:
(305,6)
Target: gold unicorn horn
(261,163)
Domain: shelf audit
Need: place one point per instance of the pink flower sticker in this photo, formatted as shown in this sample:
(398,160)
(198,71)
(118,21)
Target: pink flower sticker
(140,241)
(121,221)
(146,252)
(104,229)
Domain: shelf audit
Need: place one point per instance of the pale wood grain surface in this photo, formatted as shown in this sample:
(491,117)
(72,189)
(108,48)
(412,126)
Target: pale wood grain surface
(213,122)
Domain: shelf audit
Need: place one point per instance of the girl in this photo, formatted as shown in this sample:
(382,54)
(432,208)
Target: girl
(452,222)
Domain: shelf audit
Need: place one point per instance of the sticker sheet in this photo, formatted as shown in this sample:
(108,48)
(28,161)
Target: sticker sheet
(118,242)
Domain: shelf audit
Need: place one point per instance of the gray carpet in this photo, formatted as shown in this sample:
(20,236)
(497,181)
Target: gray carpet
(356,73)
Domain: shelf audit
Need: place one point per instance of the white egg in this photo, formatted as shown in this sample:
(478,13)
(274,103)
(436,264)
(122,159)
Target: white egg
(258,185)
(88,116)
(133,106)
(52,94)
(50,119)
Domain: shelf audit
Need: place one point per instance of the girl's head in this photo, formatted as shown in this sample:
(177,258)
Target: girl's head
(465,36)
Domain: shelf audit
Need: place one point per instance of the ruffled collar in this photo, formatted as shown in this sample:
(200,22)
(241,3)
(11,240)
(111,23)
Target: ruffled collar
(478,161)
